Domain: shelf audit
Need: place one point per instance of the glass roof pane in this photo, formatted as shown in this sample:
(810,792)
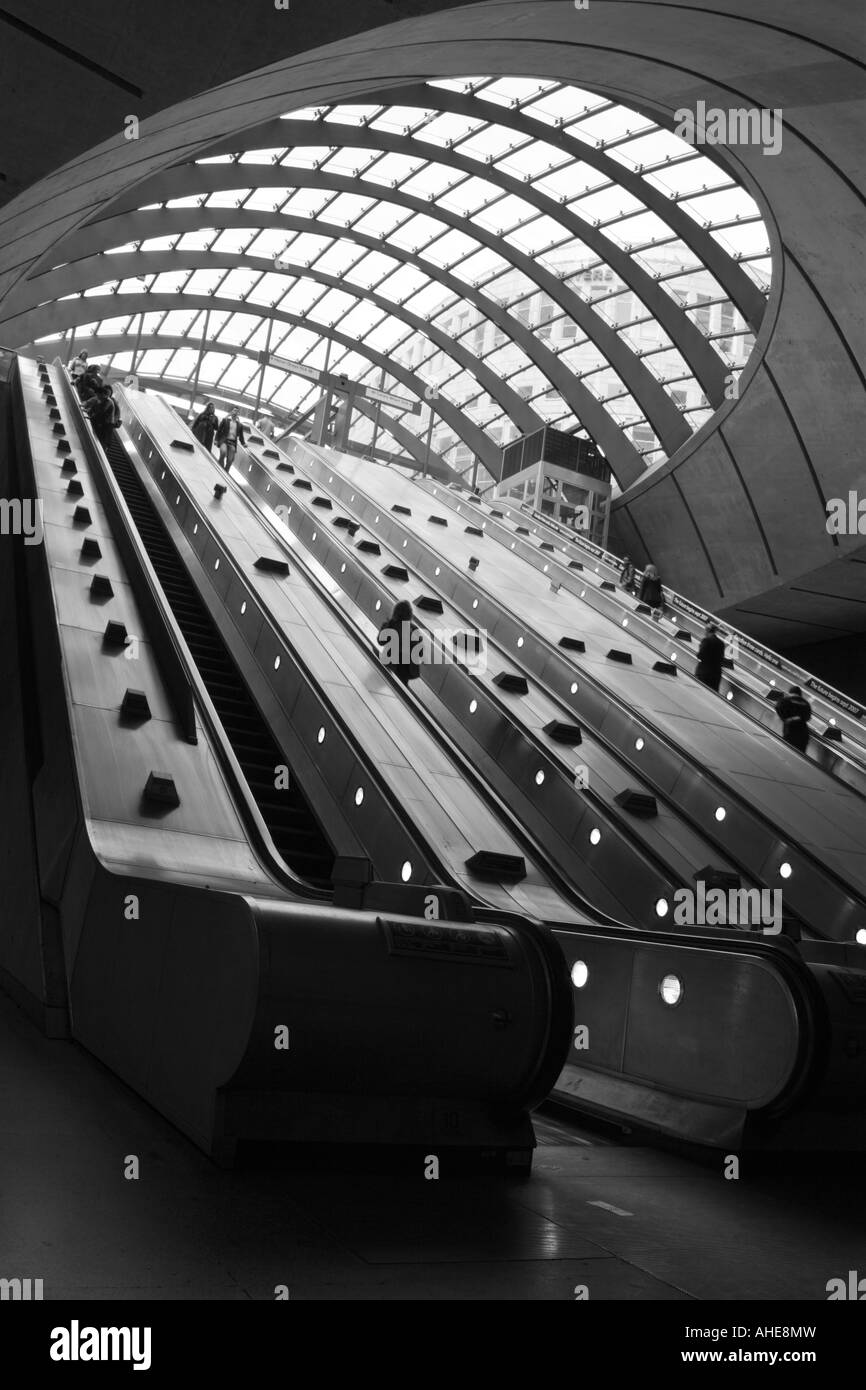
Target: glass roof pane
(448,128)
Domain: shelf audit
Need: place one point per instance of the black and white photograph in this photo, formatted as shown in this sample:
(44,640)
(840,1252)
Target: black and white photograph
(432,676)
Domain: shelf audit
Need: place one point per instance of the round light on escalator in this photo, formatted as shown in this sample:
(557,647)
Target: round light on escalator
(331,479)
(672,657)
(671,990)
(860,937)
(406,871)
(574,687)
(785,870)
(638,743)
(579,974)
(177,500)
(315,534)
(268,488)
(730,695)
(377,518)
(473,705)
(320,736)
(195,529)
(162,475)
(720,813)
(475,603)
(276,663)
(352,497)
(520,641)
(216,564)
(359,796)
(243,607)
(512,545)
(831,720)
(438,569)
(594,836)
(772,682)
(377,605)
(546,568)
(661,907)
(539,778)
(583,593)
(405,543)
(625,622)
(343,568)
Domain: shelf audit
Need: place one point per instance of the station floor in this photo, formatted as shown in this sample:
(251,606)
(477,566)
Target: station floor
(626,1222)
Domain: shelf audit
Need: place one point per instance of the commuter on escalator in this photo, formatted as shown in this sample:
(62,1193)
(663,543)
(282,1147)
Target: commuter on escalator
(402,642)
(89,382)
(651,591)
(205,426)
(711,655)
(77,368)
(104,415)
(795,712)
(627,575)
(229,435)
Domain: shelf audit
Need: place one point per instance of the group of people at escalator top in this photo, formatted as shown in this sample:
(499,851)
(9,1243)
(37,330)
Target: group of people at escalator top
(97,398)
(793,708)
(228,433)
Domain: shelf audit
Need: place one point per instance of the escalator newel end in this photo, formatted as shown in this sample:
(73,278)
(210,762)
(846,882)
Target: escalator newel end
(575,565)
(615,654)
(832,733)
(572,644)
(219,490)
(668,668)
(682,635)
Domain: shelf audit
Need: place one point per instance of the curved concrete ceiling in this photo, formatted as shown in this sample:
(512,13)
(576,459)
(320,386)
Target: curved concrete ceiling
(736,514)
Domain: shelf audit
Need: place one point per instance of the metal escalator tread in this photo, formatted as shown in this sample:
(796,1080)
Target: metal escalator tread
(291,824)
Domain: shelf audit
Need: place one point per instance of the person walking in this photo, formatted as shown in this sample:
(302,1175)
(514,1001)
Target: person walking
(205,426)
(89,382)
(402,642)
(230,433)
(795,712)
(626,575)
(651,591)
(711,656)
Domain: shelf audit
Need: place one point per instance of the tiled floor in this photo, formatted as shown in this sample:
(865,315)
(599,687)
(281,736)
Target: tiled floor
(625,1223)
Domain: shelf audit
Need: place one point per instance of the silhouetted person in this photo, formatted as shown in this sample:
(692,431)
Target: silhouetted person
(89,382)
(205,426)
(711,655)
(402,641)
(104,415)
(230,433)
(651,591)
(795,712)
(626,575)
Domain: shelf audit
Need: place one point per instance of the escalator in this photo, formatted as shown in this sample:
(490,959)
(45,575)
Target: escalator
(287,815)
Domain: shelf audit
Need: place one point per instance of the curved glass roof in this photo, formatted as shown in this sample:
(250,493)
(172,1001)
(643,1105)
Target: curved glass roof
(535,252)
